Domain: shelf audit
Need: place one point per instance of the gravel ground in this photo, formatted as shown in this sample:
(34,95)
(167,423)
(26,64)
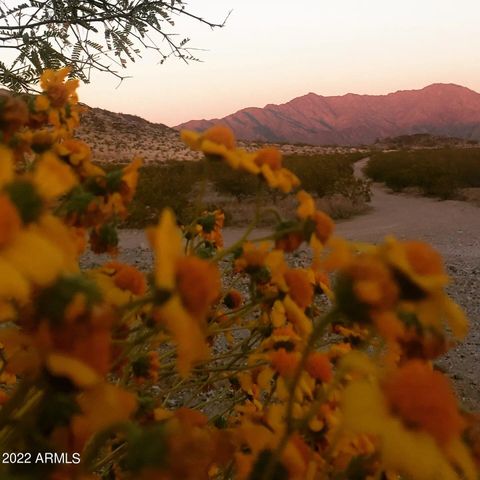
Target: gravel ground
(452,227)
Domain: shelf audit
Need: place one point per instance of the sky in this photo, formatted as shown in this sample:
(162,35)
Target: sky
(271,51)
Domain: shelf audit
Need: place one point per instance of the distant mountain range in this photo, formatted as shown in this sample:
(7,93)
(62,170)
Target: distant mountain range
(439,109)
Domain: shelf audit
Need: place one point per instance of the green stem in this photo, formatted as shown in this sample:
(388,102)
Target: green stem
(290,427)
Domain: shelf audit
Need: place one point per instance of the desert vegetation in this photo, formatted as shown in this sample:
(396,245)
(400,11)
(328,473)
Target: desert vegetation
(423,140)
(442,173)
(177,184)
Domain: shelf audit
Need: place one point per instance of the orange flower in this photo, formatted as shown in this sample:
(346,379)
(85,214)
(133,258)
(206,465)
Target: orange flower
(418,265)
(127,277)
(321,224)
(373,284)
(191,418)
(318,366)
(424,399)
(423,259)
(253,256)
(284,362)
(130,179)
(289,242)
(101,407)
(388,325)
(217,140)
(299,287)
(270,156)
(306,208)
(324,226)
(221,135)
(10,222)
(198,283)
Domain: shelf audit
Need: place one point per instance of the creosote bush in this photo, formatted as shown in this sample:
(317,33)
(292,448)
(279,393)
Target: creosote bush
(223,362)
(437,172)
(177,185)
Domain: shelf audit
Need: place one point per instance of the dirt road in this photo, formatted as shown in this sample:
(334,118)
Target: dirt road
(453,227)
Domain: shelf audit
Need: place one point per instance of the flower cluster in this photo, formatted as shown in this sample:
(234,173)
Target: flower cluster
(222,362)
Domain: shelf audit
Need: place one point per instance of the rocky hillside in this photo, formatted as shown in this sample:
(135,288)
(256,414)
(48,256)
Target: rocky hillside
(439,109)
(118,137)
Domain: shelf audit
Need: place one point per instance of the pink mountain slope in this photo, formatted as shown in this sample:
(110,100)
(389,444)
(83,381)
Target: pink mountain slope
(439,109)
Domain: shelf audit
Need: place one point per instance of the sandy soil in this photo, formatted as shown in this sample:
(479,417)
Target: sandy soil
(453,227)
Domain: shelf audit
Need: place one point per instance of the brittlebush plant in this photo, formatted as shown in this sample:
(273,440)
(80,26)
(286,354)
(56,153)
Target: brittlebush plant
(221,363)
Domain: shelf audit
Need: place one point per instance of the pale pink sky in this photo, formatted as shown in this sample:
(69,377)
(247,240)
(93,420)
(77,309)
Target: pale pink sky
(271,51)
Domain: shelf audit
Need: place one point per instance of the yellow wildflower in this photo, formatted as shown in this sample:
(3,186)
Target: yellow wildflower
(306,207)
(187,334)
(187,287)
(198,284)
(418,262)
(269,160)
(219,142)
(57,94)
(412,453)
(253,256)
(317,222)
(101,407)
(130,179)
(52,176)
(300,287)
(127,277)
(209,226)
(166,241)
(297,317)
(78,372)
(41,268)
(424,399)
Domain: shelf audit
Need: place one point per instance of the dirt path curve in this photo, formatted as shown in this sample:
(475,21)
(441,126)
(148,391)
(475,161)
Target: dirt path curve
(451,226)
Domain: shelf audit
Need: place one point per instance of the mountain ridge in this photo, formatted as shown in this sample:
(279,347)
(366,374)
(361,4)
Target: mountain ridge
(353,119)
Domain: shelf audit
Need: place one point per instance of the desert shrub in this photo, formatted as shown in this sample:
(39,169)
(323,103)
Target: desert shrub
(230,182)
(172,184)
(176,184)
(321,174)
(437,172)
(229,362)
